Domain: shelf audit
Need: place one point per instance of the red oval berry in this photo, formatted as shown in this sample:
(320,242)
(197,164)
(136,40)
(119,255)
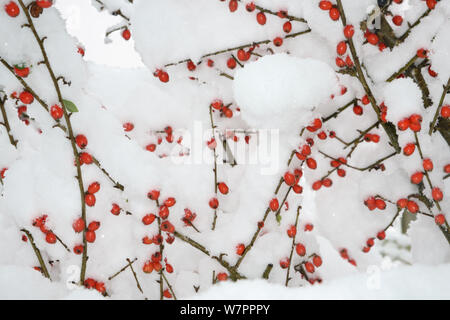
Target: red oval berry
(317,185)
(381,235)
(341,48)
(317,260)
(233,5)
(81,141)
(309,267)
(445,111)
(90,236)
(26,98)
(274,205)
(439,219)
(349,31)
(412,206)
(44,3)
(90,200)
(334,14)
(287,26)
(126,34)
(12,9)
(289,179)
(148,219)
(85,158)
(261,18)
(231,63)
(409,149)
(50,237)
(291,231)
(325,5)
(78,249)
(437,194)
(170,202)
(222,276)
(78,225)
(94,187)
(300,249)
(214,203)
(153,195)
(223,188)
(397,20)
(417,177)
(240,248)
(427,164)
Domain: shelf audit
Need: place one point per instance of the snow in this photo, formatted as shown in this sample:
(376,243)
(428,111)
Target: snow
(429,283)
(279,91)
(273,95)
(403,98)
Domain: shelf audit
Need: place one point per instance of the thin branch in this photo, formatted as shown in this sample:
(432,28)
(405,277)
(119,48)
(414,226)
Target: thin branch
(292,249)
(6,122)
(130,264)
(441,102)
(38,254)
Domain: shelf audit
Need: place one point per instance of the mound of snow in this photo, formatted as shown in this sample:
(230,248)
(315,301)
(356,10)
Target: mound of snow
(280,91)
(403,98)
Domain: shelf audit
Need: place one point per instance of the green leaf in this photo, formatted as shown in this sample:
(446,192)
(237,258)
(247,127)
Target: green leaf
(278,218)
(70,106)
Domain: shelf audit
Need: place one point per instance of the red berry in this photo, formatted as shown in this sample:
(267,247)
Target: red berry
(223,188)
(90,283)
(85,158)
(427,164)
(163,76)
(284,263)
(309,227)
(340,63)
(403,124)
(166,226)
(412,206)
(278,42)
(169,268)
(50,237)
(431,72)
(409,149)
(115,210)
(397,20)
(12,9)
(349,31)
(381,235)
(439,219)
(240,248)
(417,177)
(78,225)
(94,187)
(242,55)
(422,53)
(311,163)
(250,7)
(289,178)
(164,212)
(317,260)
(90,236)
(291,231)
(94,226)
(151,147)
(309,267)
(372,38)
(261,18)
(222,276)
(365,100)
(44,3)
(327,182)
(126,34)
(233,5)
(300,249)
(317,185)
(81,141)
(100,287)
(341,48)
(370,203)
(170,202)
(26,97)
(22,72)
(325,5)
(153,195)
(287,26)
(437,194)
(148,267)
(231,63)
(297,189)
(358,110)
(431,4)
(128,126)
(214,203)
(148,219)
(447,168)
(90,200)
(147,240)
(56,112)
(334,14)
(274,205)
(445,111)
(191,66)
(78,249)
(380,204)
(402,203)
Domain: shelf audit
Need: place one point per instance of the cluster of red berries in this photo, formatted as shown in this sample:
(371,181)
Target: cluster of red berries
(371,241)
(224,110)
(188,217)
(40,222)
(332,9)
(375,203)
(344,255)
(413,122)
(97,285)
(162,75)
(169,138)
